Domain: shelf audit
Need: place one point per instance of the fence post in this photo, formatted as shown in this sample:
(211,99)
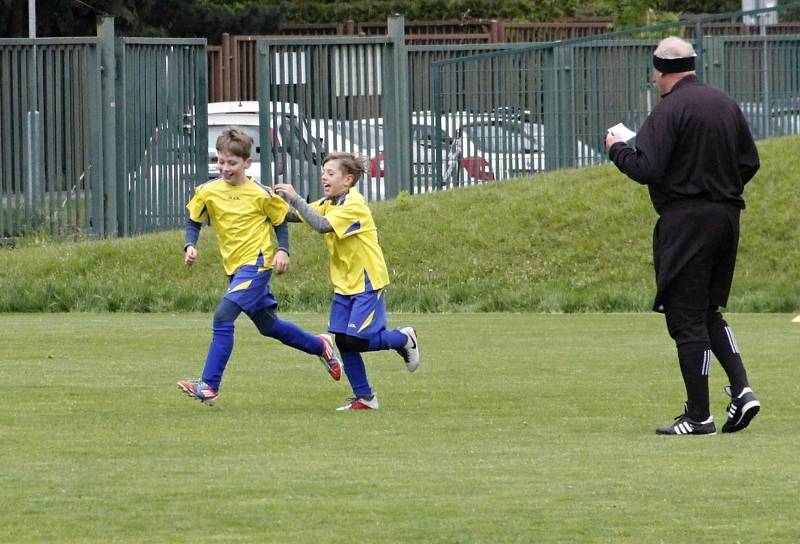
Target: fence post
(497,31)
(263,82)
(714,60)
(34,167)
(227,75)
(108,111)
(559,108)
(397,110)
(699,49)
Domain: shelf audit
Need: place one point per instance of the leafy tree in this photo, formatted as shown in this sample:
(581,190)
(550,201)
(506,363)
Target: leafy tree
(700,6)
(176,18)
(13,19)
(210,18)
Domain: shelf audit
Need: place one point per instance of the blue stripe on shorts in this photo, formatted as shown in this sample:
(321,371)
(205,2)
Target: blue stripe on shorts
(249,288)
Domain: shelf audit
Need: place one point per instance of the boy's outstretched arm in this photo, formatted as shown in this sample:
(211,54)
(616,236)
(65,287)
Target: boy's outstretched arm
(192,235)
(314,220)
(280,261)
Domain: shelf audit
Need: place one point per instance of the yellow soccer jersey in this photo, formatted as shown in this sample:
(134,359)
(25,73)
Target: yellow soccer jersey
(242,216)
(353,244)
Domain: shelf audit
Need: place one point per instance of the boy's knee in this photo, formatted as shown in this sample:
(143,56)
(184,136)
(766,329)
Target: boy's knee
(345,342)
(263,320)
(227,311)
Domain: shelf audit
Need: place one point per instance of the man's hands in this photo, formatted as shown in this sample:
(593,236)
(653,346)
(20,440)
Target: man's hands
(612,139)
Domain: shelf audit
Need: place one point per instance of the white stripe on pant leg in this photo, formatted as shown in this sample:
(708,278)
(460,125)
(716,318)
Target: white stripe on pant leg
(706,362)
(732,340)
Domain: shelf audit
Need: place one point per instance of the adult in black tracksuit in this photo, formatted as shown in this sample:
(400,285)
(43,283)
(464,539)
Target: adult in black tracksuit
(695,153)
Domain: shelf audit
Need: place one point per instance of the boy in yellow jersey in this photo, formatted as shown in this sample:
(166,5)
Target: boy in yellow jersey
(358,273)
(243,213)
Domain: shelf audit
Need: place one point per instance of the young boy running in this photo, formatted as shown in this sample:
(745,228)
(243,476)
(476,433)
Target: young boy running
(243,213)
(358,273)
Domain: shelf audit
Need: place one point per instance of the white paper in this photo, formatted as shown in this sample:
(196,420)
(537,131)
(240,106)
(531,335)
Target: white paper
(622,131)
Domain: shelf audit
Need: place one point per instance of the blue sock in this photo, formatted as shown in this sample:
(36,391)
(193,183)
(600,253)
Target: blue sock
(356,373)
(218,353)
(384,340)
(291,335)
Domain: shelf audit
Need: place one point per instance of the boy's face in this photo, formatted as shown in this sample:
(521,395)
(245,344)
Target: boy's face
(232,167)
(334,181)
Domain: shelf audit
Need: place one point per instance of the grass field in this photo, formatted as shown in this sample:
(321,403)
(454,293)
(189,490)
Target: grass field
(516,428)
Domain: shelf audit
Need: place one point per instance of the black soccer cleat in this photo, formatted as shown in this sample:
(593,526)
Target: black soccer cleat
(741,410)
(684,425)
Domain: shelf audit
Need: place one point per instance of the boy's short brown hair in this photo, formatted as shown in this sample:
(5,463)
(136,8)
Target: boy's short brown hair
(350,164)
(235,141)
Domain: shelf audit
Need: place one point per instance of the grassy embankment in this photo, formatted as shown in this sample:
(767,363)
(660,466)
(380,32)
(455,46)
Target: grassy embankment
(568,241)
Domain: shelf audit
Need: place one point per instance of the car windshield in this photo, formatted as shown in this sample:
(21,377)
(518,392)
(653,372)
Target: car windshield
(426,136)
(501,137)
(365,134)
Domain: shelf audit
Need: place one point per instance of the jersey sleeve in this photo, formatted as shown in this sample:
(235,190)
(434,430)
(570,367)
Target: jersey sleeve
(349,218)
(197,206)
(274,208)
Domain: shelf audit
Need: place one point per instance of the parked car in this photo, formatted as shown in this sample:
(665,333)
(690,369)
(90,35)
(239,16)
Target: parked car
(367,137)
(499,146)
(295,153)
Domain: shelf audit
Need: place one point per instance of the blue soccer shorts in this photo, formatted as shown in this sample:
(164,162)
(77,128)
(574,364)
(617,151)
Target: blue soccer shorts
(249,289)
(362,315)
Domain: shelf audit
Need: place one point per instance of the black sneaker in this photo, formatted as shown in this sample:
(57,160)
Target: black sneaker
(741,410)
(683,424)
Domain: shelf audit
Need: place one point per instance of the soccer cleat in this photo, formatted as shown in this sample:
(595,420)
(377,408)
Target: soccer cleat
(360,403)
(684,425)
(329,359)
(741,410)
(199,390)
(410,352)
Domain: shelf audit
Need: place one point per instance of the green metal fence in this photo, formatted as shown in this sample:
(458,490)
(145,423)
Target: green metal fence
(105,136)
(433,117)
(162,133)
(100,136)
(510,113)
(368,95)
(334,94)
(50,165)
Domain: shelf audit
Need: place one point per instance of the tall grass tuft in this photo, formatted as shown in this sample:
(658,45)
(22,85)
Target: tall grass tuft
(566,241)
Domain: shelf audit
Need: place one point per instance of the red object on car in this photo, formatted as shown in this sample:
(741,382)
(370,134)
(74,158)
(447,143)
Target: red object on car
(376,165)
(478,168)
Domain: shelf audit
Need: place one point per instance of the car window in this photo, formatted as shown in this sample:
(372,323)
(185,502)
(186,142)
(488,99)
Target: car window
(293,137)
(364,134)
(500,138)
(423,135)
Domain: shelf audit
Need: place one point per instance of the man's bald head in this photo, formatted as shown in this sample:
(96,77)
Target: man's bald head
(674,48)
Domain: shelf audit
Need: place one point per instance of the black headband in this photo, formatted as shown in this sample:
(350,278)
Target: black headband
(673,66)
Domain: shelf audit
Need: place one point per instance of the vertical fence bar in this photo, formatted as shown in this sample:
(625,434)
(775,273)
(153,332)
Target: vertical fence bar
(397,109)
(94,162)
(108,116)
(71,193)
